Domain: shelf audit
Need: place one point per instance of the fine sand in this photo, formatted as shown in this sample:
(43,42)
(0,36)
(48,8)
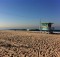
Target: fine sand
(29,44)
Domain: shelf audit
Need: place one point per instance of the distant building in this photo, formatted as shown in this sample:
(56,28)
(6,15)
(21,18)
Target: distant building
(47,27)
(28,29)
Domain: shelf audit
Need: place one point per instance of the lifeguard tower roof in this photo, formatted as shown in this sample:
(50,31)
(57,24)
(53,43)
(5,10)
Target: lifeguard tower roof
(47,23)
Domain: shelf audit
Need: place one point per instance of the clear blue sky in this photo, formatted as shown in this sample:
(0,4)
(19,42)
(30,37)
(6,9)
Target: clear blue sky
(27,13)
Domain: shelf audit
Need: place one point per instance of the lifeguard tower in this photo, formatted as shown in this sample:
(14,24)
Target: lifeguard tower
(47,28)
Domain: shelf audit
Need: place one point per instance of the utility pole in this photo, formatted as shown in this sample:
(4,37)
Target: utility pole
(40,25)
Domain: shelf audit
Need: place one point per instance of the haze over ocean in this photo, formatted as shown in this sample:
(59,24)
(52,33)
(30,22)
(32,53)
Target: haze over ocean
(27,13)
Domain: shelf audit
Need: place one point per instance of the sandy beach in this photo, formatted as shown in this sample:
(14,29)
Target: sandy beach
(29,44)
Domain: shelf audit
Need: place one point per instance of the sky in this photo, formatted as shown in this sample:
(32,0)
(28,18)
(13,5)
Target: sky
(28,13)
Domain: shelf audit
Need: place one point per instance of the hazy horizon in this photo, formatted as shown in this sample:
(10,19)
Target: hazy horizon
(28,13)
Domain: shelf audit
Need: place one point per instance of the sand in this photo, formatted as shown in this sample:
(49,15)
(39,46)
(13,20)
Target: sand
(29,44)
